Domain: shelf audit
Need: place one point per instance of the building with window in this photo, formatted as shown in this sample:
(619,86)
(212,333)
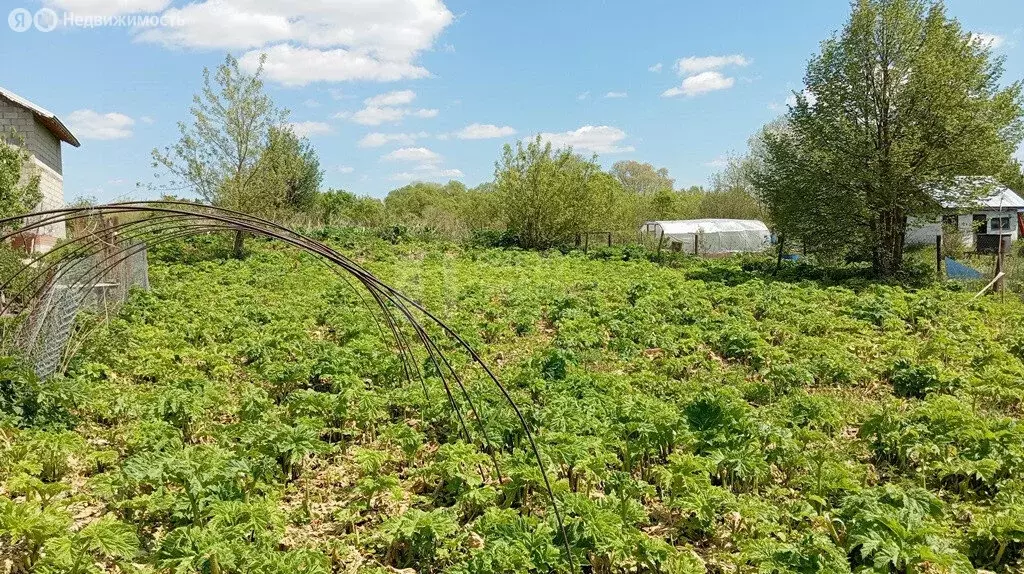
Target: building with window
(41,133)
(998,215)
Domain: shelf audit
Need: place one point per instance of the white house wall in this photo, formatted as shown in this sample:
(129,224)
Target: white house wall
(923,232)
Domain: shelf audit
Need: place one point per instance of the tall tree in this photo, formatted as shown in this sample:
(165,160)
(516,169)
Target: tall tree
(291,174)
(218,155)
(545,195)
(221,155)
(898,104)
(641,178)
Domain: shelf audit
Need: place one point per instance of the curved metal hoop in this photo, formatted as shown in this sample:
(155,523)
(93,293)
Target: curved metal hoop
(154,222)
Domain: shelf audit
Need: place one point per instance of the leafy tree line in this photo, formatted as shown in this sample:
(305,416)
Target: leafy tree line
(541,197)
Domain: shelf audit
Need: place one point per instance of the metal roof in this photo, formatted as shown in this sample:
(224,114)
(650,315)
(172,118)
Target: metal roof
(994,195)
(47,118)
(684,226)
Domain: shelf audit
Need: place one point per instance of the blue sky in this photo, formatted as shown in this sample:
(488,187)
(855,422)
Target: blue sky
(395,90)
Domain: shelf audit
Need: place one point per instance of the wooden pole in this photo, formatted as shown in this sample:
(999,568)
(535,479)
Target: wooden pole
(778,260)
(999,268)
(239,247)
(938,256)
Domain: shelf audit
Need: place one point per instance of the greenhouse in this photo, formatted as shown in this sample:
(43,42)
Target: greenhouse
(709,236)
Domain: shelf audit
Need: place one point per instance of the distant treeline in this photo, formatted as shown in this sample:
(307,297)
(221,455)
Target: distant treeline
(540,198)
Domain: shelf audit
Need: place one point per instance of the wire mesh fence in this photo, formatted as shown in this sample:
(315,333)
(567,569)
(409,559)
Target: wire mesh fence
(91,283)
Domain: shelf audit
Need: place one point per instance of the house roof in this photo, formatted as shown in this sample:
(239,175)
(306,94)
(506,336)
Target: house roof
(47,118)
(685,226)
(991,193)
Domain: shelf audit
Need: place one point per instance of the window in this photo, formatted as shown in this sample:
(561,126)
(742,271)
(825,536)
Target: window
(997,224)
(979,222)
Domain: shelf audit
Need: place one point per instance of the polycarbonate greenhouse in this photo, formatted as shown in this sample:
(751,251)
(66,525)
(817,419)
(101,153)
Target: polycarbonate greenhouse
(709,236)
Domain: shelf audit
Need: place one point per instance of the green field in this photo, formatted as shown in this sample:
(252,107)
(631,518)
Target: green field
(248,416)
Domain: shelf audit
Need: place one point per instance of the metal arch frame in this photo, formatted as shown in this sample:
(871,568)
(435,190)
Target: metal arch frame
(162,221)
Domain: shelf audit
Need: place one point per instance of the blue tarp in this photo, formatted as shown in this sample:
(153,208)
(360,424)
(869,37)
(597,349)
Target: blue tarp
(957,270)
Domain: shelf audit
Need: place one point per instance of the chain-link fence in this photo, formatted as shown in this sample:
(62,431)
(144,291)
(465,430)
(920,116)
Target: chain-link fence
(99,283)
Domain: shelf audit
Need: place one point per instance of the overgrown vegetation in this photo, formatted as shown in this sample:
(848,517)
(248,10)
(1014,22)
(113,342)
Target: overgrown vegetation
(702,416)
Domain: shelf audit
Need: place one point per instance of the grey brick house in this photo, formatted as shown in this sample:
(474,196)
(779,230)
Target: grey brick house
(43,134)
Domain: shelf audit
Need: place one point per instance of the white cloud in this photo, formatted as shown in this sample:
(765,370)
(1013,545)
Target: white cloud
(308,40)
(306,129)
(377,139)
(295,66)
(428,165)
(484,131)
(655,68)
(583,96)
(616,95)
(397,98)
(311,103)
(394,29)
(383,108)
(108,7)
(92,125)
(695,64)
(701,83)
(147,120)
(718,162)
(428,172)
(993,41)
(418,154)
(345,169)
(377,116)
(596,139)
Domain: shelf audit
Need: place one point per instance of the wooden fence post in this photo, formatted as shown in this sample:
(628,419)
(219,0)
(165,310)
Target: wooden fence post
(999,268)
(938,256)
(778,261)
